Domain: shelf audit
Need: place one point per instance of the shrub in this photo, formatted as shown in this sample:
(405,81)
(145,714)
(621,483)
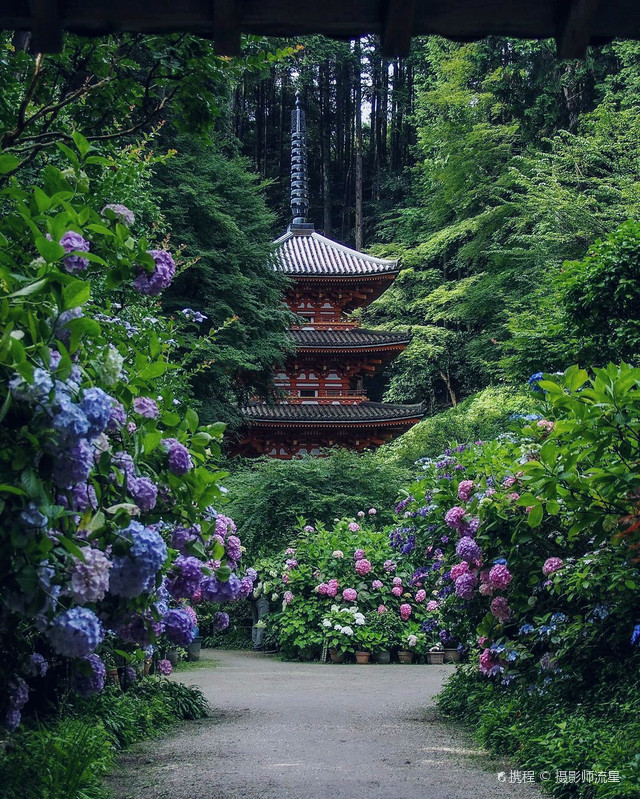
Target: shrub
(268,498)
(482,416)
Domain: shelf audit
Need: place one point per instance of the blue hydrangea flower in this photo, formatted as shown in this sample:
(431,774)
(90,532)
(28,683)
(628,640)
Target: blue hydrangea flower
(534,380)
(135,573)
(635,636)
(179,627)
(76,632)
(70,422)
(90,677)
(32,516)
(73,465)
(526,629)
(98,407)
(35,393)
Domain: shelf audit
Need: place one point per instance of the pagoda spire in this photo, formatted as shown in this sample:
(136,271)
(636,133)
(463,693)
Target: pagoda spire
(299,189)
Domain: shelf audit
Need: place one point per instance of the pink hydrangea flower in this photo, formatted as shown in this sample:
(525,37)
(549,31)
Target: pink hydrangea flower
(486,589)
(372,511)
(499,576)
(289,551)
(397,581)
(432,605)
(500,608)
(490,492)
(350,594)
(354,527)
(359,554)
(381,609)
(454,517)
(486,662)
(332,590)
(509,481)
(464,490)
(482,640)
(363,567)
(552,565)
(466,585)
(396,590)
(376,585)
(288,597)
(285,578)
(545,424)
(513,497)
(389,566)
(421,595)
(322,589)
(361,514)
(459,569)
(405,611)
(308,528)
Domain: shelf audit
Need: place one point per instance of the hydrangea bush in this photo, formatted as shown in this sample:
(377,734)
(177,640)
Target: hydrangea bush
(529,543)
(107,479)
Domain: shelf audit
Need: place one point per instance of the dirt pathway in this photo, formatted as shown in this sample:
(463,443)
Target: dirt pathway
(312,731)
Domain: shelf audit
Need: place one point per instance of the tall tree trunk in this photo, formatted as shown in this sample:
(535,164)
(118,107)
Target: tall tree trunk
(325,145)
(358,147)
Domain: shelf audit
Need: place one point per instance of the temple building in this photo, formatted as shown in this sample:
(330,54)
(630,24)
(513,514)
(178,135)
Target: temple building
(322,394)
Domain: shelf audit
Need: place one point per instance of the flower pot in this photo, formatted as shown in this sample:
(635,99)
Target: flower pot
(384,657)
(193,650)
(336,657)
(172,657)
(405,657)
(435,658)
(451,656)
(147,666)
(362,657)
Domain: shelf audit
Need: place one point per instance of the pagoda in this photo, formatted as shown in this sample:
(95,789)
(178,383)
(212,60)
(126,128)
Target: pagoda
(322,396)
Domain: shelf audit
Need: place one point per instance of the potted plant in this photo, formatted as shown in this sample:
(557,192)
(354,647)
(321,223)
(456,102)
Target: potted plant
(387,626)
(339,626)
(435,655)
(367,641)
(193,650)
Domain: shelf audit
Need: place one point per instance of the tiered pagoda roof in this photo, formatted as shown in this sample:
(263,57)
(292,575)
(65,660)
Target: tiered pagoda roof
(367,412)
(354,339)
(303,252)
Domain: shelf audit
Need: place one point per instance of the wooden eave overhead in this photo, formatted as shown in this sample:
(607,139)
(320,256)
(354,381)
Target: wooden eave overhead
(573,23)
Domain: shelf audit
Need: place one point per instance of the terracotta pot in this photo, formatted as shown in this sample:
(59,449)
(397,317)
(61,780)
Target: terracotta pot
(336,657)
(451,656)
(435,658)
(362,657)
(384,658)
(405,657)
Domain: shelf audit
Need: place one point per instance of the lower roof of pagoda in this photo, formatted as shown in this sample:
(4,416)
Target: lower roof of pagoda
(306,414)
(354,339)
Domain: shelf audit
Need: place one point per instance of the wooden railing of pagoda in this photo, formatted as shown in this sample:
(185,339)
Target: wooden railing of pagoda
(328,396)
(328,325)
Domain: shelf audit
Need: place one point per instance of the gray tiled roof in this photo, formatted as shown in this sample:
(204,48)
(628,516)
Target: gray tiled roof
(346,339)
(309,253)
(328,414)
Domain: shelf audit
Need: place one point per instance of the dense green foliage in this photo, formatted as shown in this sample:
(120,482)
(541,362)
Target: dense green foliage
(480,416)
(218,214)
(593,731)
(268,497)
(69,757)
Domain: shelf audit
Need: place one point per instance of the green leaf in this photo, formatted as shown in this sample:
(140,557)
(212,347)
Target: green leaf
(81,143)
(76,294)
(192,420)
(31,288)
(535,516)
(43,201)
(156,369)
(8,163)
(51,251)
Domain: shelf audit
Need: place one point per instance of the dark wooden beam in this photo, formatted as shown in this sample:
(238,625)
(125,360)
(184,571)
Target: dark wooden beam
(398,28)
(46,26)
(226,26)
(575,30)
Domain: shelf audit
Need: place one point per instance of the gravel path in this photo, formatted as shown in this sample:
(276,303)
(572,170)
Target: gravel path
(313,731)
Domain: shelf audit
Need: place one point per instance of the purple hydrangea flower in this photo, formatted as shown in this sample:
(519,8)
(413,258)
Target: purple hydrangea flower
(141,628)
(76,632)
(38,666)
(33,517)
(179,627)
(220,621)
(62,330)
(182,536)
(18,693)
(118,416)
(12,720)
(73,465)
(83,496)
(465,585)
(178,458)
(152,283)
(470,528)
(184,579)
(90,677)
(135,573)
(124,462)
(164,667)
(90,577)
(74,242)
(454,517)
(233,547)
(143,491)
(145,406)
(468,550)
(121,213)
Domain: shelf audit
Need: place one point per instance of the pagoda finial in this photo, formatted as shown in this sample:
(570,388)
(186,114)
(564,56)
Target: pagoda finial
(299,191)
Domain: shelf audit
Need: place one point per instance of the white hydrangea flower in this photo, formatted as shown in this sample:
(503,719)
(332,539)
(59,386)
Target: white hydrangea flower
(112,366)
(347,630)
(326,623)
